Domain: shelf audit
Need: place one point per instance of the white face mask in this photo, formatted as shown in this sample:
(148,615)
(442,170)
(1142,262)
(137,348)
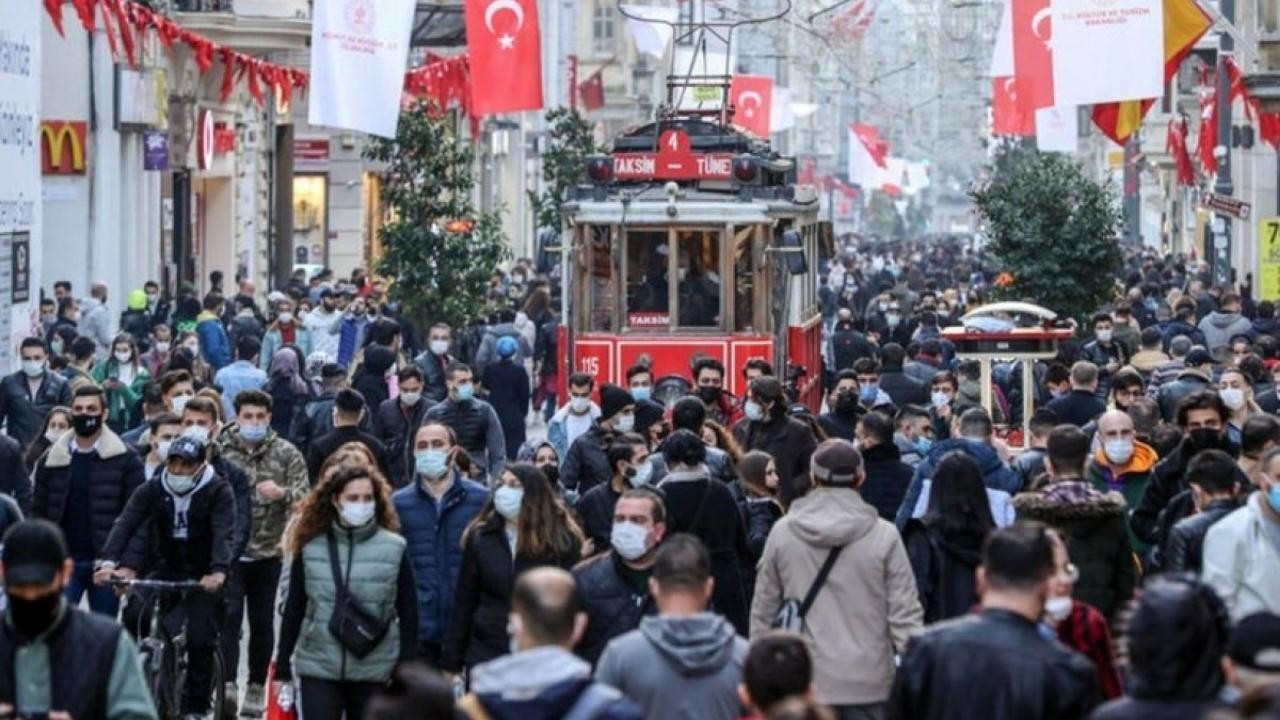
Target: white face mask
(410,398)
(642,475)
(285,317)
(179,403)
(1118,451)
(1058,608)
(1104,335)
(507,501)
(124,356)
(1233,398)
(33,368)
(357,514)
(753,411)
(580,405)
(630,540)
(625,423)
(439,347)
(162,346)
(162,449)
(196,432)
(53,435)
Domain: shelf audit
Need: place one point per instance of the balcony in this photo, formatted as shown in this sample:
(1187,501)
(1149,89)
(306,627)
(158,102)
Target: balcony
(254,26)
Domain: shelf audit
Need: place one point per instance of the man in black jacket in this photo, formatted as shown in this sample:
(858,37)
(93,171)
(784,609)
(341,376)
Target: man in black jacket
(587,463)
(200,421)
(1082,404)
(433,361)
(348,410)
(614,585)
(316,418)
(1211,475)
(628,456)
(14,480)
(887,476)
(839,421)
(996,664)
(901,387)
(397,419)
(28,395)
(1195,377)
(81,484)
(190,516)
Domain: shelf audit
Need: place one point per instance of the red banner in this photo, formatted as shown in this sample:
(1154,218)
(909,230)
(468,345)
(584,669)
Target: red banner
(752,100)
(506,55)
(1032,58)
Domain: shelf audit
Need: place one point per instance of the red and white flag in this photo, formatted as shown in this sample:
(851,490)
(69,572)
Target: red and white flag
(868,156)
(506,55)
(1009,115)
(1032,54)
(752,99)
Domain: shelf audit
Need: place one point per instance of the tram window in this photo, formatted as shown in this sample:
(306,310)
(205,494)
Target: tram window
(648,299)
(744,279)
(699,289)
(600,278)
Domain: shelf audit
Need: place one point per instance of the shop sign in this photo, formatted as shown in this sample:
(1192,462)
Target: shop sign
(63,145)
(1269,258)
(20,267)
(224,138)
(310,151)
(204,140)
(674,160)
(155,150)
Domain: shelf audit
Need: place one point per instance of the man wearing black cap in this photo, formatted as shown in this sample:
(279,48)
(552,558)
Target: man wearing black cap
(316,417)
(1254,652)
(189,521)
(587,464)
(57,660)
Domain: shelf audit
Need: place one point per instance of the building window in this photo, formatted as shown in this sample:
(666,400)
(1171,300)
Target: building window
(310,219)
(603,22)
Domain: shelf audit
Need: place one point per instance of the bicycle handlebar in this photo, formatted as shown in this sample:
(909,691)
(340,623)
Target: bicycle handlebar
(161,585)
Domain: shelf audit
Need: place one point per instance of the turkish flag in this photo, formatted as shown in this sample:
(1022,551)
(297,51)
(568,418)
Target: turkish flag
(875,146)
(506,55)
(592,91)
(1032,58)
(1010,116)
(752,100)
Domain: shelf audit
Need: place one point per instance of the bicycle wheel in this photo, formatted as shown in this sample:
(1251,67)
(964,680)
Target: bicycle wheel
(166,688)
(218,693)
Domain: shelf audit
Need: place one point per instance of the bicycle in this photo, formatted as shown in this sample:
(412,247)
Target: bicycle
(164,656)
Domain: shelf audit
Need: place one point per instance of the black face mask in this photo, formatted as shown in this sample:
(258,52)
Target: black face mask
(1202,439)
(846,402)
(709,394)
(552,472)
(86,425)
(33,617)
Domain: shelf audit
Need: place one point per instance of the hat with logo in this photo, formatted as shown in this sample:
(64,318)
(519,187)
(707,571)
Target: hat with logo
(186,448)
(34,553)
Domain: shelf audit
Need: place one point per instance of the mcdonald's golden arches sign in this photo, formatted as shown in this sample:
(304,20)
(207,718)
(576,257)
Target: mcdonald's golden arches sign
(64,147)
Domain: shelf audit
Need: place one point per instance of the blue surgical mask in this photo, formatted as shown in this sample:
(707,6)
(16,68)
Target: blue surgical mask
(466,392)
(753,411)
(431,464)
(868,392)
(923,445)
(507,501)
(641,393)
(253,433)
(1273,497)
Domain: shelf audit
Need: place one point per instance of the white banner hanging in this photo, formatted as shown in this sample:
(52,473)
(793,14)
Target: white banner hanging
(359,49)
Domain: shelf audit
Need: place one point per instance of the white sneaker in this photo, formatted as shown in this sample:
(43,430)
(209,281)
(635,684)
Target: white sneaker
(254,701)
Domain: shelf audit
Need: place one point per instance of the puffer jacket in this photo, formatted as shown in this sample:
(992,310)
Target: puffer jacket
(868,607)
(115,475)
(996,665)
(273,460)
(1094,527)
(24,414)
(433,531)
(612,605)
(996,475)
(215,345)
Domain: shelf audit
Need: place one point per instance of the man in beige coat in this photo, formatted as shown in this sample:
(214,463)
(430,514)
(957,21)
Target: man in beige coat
(867,608)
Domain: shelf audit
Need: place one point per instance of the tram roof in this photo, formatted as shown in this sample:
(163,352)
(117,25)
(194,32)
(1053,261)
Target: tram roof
(649,205)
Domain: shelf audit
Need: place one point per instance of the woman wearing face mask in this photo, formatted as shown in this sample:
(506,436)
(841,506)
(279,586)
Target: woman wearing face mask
(759,507)
(348,524)
(524,525)
(56,424)
(289,391)
(286,330)
(945,546)
(1236,390)
(787,440)
(1079,625)
(123,377)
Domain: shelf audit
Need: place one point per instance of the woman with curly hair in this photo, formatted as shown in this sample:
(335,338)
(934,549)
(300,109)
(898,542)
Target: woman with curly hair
(523,525)
(715,435)
(348,562)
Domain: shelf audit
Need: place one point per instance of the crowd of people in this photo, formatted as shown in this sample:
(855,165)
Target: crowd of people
(890,556)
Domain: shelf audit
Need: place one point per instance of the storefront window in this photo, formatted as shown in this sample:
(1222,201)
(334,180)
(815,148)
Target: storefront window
(648,298)
(310,219)
(600,278)
(744,279)
(699,288)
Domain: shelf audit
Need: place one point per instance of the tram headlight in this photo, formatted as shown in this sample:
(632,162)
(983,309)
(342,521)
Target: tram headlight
(600,169)
(745,169)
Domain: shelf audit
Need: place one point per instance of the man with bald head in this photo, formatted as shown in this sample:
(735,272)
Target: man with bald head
(1122,462)
(542,677)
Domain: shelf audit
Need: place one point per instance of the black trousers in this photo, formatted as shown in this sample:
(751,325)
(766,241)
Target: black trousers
(253,584)
(332,699)
(201,613)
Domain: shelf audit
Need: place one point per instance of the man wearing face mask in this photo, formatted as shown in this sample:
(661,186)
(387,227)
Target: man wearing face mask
(28,395)
(1122,463)
(434,510)
(708,381)
(82,484)
(348,415)
(1242,549)
(842,415)
(628,457)
(577,415)
(49,647)
(587,463)
(162,430)
(997,664)
(188,518)
(397,419)
(433,361)
(473,421)
(614,585)
(871,396)
(278,480)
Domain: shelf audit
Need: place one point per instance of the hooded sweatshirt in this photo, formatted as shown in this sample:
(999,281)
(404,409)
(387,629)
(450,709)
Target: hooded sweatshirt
(868,607)
(1219,327)
(545,683)
(678,667)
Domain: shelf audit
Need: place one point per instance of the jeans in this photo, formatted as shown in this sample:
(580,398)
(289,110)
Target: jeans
(102,599)
(330,699)
(872,711)
(252,584)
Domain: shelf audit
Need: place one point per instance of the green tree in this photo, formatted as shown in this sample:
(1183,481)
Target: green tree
(438,248)
(570,141)
(1053,230)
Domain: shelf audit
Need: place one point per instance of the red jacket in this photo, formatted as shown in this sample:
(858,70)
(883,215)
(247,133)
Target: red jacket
(1086,631)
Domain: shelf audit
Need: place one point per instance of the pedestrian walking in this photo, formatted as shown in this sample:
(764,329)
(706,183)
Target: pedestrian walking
(27,396)
(473,421)
(123,376)
(507,383)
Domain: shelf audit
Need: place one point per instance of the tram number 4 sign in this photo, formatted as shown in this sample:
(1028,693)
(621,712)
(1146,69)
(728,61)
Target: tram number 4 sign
(675,160)
(1226,205)
(1269,258)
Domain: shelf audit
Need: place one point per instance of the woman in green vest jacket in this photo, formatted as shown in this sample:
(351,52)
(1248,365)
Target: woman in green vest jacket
(352,505)
(123,376)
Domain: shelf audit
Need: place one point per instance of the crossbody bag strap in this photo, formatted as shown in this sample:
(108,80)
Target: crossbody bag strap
(339,585)
(819,581)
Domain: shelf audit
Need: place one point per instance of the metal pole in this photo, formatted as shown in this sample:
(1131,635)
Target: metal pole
(1221,251)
